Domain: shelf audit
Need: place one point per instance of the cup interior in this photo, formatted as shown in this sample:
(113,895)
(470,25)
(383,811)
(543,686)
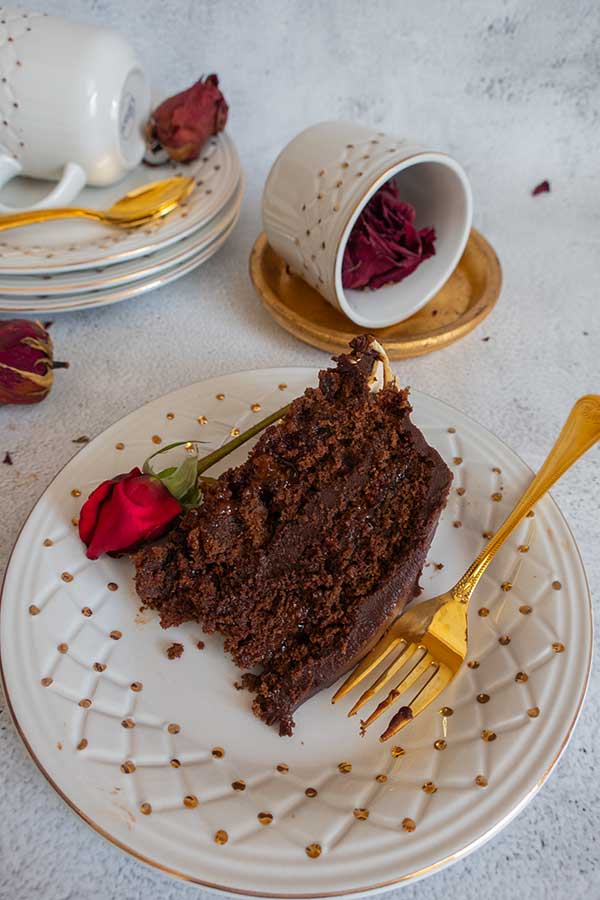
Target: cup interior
(438,189)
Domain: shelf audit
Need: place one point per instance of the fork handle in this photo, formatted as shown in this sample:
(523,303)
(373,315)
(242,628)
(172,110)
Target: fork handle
(579,433)
(34,216)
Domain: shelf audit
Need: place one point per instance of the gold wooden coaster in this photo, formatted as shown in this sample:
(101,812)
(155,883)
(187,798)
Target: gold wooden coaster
(462,303)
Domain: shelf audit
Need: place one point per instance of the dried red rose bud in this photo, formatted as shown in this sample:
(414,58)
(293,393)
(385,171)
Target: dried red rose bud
(384,246)
(25,362)
(182,124)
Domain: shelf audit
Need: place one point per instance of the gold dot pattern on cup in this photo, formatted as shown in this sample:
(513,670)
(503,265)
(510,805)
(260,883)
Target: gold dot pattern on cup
(481,781)
(506,586)
(558,647)
(34,610)
(429,787)
(488,736)
(525,609)
(345,767)
(128,767)
(46,682)
(313,851)
(170,416)
(119,445)
(87,612)
(440,744)
(504,640)
(67,577)
(265,818)
(48,542)
(521,677)
(85,703)
(75,492)
(173,728)
(112,586)
(496,496)
(473,664)
(136,686)
(397,752)
(256,407)
(82,744)
(483,698)
(408,824)
(533,712)
(115,635)
(239,785)
(202,420)
(190,801)
(283,768)
(156,439)
(483,611)
(360,813)
(218,752)
(145,809)
(556,585)
(63,648)
(234,432)
(381,778)
(99,667)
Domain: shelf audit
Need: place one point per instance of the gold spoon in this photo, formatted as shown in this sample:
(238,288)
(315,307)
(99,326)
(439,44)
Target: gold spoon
(138,207)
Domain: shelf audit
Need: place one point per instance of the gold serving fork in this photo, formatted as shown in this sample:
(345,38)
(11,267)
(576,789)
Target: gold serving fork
(139,207)
(432,636)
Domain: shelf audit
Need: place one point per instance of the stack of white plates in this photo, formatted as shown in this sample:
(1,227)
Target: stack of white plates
(79,264)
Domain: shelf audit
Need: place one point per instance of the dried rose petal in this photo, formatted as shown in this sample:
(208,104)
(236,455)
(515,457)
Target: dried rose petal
(384,245)
(7,459)
(542,188)
(25,362)
(182,124)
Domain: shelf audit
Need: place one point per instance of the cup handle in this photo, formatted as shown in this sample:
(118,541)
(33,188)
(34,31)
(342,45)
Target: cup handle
(71,182)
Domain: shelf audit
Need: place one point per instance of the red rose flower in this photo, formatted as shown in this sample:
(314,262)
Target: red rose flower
(25,362)
(124,512)
(183,123)
(384,246)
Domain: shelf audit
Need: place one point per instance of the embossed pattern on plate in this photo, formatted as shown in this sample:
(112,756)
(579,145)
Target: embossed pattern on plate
(164,757)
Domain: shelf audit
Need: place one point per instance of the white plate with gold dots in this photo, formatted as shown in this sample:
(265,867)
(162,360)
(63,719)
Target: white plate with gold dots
(164,757)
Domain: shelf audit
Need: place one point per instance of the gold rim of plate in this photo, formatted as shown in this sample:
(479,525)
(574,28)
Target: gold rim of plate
(457,308)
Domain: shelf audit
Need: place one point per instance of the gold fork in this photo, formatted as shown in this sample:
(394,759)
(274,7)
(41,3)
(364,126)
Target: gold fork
(432,635)
(139,207)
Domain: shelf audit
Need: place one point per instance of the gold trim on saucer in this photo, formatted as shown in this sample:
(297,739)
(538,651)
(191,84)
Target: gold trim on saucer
(460,305)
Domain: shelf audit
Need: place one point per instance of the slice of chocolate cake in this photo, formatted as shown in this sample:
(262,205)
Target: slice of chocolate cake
(302,556)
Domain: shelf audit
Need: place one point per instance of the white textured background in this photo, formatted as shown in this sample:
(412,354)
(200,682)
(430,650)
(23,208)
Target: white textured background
(513,90)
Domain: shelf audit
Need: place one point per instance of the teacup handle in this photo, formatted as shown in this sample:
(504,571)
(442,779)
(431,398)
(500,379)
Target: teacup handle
(72,181)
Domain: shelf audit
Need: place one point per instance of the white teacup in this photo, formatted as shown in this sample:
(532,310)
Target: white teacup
(318,186)
(73,102)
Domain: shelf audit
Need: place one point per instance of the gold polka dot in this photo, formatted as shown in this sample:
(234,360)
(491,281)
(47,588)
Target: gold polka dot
(82,744)
(99,667)
(457,524)
(521,677)
(34,610)
(481,781)
(530,514)
(46,682)
(173,728)
(66,576)
(523,548)
(220,396)
(221,837)
(345,165)
(75,521)
(440,744)
(265,818)
(506,586)
(446,711)
(457,460)
(128,767)
(488,535)
(75,492)
(170,416)
(112,586)
(85,703)
(311,792)
(256,407)
(488,735)
(48,542)
(496,496)
(156,439)
(282,767)
(218,752)
(556,585)
(282,387)
(534,712)
(63,648)
(496,470)
(202,420)
(145,808)
(175,763)
(451,430)
(238,785)
(558,647)
(313,851)
(525,610)
(483,698)
(408,824)
(345,767)
(87,612)
(119,445)
(116,635)
(504,640)
(190,801)
(429,787)
(136,686)
(128,723)
(460,491)
(473,664)
(483,612)
(361,814)
(234,432)
(381,778)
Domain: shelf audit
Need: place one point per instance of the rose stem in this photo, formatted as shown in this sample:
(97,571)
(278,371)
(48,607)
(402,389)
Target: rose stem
(214,457)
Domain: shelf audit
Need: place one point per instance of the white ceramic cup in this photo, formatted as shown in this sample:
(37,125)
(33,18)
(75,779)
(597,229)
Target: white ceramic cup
(316,190)
(73,102)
